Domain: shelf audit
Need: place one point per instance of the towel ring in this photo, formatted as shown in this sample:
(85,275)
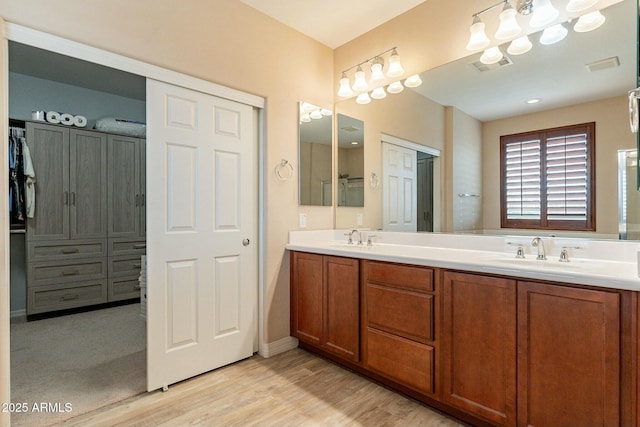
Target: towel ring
(374,181)
(282,176)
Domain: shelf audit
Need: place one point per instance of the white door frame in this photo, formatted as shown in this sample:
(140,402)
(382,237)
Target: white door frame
(39,39)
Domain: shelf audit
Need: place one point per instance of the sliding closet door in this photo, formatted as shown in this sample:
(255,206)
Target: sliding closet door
(201,232)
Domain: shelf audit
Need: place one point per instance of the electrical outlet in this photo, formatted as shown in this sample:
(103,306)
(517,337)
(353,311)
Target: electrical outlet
(359,219)
(302,220)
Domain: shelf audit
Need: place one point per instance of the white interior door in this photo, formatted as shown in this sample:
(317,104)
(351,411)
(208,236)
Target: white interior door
(201,233)
(399,191)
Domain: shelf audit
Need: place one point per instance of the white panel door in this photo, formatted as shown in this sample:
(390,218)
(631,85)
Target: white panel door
(399,191)
(201,233)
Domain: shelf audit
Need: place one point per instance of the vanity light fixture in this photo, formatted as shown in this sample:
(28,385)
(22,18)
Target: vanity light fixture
(520,46)
(509,27)
(580,5)
(589,22)
(543,13)
(309,112)
(375,87)
(478,39)
(491,55)
(553,34)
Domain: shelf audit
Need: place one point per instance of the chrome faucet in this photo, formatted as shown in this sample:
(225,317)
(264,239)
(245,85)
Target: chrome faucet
(537,243)
(359,235)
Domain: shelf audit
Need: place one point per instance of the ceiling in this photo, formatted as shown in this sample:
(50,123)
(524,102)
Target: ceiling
(333,22)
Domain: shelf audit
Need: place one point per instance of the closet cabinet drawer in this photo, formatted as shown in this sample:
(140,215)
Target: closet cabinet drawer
(49,272)
(124,266)
(61,250)
(127,247)
(401,276)
(121,288)
(63,296)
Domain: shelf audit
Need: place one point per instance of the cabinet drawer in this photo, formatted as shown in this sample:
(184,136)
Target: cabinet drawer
(45,273)
(401,276)
(63,296)
(61,250)
(127,247)
(121,288)
(124,266)
(407,362)
(401,312)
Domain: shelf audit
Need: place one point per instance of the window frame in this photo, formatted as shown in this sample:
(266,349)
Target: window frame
(589,224)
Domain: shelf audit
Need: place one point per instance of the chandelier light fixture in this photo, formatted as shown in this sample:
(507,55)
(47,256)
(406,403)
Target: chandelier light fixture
(543,15)
(309,112)
(374,87)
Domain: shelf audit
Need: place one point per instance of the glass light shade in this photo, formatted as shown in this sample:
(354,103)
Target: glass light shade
(413,81)
(363,98)
(326,112)
(588,22)
(543,13)
(315,114)
(520,46)
(491,55)
(304,118)
(395,68)
(509,27)
(395,87)
(580,5)
(378,93)
(360,84)
(376,71)
(478,38)
(553,34)
(345,87)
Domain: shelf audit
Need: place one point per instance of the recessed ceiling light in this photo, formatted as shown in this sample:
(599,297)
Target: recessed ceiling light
(354,143)
(533,101)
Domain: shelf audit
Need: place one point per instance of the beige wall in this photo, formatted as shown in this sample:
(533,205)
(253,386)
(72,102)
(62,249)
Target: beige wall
(612,134)
(406,116)
(226,42)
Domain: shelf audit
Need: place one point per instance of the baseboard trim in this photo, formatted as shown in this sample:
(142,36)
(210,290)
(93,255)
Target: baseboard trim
(18,313)
(273,348)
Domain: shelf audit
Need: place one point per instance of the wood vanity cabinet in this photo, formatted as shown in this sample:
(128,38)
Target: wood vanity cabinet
(479,346)
(398,323)
(325,299)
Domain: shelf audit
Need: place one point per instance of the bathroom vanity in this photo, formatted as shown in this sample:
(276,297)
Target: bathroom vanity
(476,332)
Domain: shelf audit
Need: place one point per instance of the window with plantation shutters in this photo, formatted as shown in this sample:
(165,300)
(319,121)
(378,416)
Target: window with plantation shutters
(548,179)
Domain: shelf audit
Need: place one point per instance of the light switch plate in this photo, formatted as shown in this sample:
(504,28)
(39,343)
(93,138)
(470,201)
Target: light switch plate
(359,219)
(302,220)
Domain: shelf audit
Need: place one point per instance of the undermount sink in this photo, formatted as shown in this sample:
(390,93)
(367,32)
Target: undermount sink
(540,264)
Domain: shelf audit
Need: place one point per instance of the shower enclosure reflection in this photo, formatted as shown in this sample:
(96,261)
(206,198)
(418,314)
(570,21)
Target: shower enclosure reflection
(628,196)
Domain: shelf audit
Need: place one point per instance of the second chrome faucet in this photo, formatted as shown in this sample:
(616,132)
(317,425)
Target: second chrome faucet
(538,243)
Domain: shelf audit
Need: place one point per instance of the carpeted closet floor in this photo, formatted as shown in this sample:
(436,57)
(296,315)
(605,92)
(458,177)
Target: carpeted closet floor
(76,363)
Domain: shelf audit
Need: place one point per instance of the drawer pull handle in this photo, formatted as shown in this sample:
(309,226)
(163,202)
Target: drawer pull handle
(140,246)
(70,272)
(70,251)
(137,265)
(69,297)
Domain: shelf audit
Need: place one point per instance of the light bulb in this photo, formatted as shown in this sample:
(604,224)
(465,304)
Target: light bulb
(378,93)
(315,114)
(509,27)
(360,84)
(413,81)
(363,98)
(395,68)
(553,34)
(395,87)
(580,5)
(589,22)
(519,46)
(305,118)
(543,13)
(345,88)
(326,112)
(491,55)
(376,70)
(478,39)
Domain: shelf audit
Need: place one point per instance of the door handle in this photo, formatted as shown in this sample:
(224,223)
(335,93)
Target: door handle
(70,251)
(73,198)
(246,242)
(69,297)
(70,272)
(66,198)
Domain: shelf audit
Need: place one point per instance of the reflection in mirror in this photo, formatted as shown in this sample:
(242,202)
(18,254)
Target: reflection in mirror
(350,174)
(465,108)
(314,145)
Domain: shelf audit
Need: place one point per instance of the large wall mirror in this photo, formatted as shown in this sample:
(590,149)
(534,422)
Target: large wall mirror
(463,107)
(314,146)
(350,173)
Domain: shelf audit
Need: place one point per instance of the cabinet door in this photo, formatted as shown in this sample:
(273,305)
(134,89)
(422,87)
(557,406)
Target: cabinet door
(143,188)
(49,150)
(306,297)
(479,346)
(341,307)
(88,185)
(568,358)
(123,186)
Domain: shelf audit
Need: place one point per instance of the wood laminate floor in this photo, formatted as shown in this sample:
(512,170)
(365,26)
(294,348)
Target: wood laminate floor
(295,388)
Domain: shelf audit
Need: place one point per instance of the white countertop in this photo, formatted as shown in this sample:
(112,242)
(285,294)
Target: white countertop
(614,267)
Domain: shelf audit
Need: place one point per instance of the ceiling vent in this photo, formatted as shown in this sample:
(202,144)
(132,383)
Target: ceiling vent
(349,128)
(487,67)
(603,64)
